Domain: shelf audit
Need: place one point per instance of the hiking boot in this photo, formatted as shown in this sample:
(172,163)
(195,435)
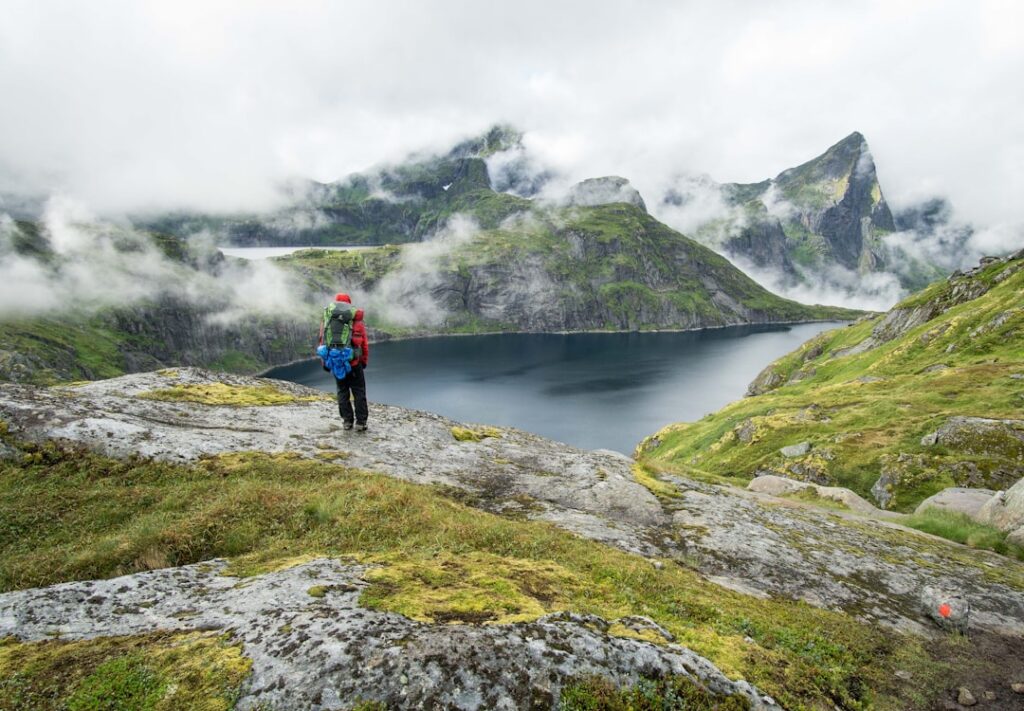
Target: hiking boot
(361,427)
(348,424)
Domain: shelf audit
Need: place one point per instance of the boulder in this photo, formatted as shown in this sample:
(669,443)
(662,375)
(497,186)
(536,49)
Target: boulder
(949,609)
(796,450)
(883,487)
(781,486)
(1005,510)
(959,499)
(984,436)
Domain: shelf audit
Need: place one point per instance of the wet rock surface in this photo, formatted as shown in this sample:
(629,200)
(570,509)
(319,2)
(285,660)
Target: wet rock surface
(327,652)
(745,540)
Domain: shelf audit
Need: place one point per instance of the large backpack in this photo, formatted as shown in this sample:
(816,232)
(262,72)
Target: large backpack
(338,321)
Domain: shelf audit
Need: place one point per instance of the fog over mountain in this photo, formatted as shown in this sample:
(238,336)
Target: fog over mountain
(131,106)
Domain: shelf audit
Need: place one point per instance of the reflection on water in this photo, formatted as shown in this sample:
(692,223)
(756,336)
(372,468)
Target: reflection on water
(588,389)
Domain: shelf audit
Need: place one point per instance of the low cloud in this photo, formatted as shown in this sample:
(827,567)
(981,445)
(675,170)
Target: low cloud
(90,264)
(407,295)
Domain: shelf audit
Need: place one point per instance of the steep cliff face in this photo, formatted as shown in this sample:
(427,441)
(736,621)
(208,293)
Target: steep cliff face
(822,223)
(145,336)
(829,210)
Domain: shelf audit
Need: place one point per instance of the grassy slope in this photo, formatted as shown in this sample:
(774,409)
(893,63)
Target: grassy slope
(72,515)
(864,412)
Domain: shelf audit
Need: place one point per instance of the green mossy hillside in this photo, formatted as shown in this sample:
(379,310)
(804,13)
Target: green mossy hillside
(73,515)
(605,267)
(866,396)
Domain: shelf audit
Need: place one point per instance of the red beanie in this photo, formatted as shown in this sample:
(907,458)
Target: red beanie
(342,297)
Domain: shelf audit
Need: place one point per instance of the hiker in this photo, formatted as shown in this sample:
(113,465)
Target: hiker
(345,352)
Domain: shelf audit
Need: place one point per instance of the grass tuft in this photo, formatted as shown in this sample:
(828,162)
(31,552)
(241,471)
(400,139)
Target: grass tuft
(963,529)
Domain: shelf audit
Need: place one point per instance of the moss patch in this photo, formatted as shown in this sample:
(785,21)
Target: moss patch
(158,672)
(475,587)
(227,395)
(963,529)
(466,434)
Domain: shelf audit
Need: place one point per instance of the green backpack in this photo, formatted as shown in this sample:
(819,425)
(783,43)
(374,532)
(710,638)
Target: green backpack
(338,320)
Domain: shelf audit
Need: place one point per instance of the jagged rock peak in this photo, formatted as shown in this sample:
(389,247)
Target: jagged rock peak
(601,191)
(850,155)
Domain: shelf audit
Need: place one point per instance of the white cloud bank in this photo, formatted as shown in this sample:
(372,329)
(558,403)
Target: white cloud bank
(145,104)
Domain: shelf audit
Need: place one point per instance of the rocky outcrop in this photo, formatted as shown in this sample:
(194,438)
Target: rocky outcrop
(1005,510)
(329,652)
(834,560)
(781,486)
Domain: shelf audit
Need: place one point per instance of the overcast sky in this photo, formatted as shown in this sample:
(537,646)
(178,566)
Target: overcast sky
(134,105)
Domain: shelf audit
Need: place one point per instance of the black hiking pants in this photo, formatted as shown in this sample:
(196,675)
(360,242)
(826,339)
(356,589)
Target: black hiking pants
(353,386)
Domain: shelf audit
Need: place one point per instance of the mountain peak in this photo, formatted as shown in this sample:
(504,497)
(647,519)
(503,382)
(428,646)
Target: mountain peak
(840,160)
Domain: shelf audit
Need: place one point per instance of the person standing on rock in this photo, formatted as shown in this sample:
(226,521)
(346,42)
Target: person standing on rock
(345,351)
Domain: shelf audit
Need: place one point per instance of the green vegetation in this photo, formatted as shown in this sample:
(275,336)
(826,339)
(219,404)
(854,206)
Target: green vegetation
(74,515)
(865,413)
(228,395)
(466,434)
(154,672)
(961,528)
(45,351)
(676,693)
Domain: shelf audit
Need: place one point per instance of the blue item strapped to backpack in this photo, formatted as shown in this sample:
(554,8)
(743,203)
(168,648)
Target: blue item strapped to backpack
(337,360)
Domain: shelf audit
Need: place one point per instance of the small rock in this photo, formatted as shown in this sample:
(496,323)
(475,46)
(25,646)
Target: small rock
(658,565)
(904,675)
(929,440)
(796,450)
(1018,687)
(988,695)
(936,368)
(1017,376)
(948,609)
(964,697)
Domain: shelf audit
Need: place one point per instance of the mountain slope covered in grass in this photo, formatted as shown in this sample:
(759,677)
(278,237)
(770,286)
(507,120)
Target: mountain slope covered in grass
(895,406)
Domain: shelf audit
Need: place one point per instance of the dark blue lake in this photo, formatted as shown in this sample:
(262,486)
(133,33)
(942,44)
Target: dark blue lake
(591,390)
